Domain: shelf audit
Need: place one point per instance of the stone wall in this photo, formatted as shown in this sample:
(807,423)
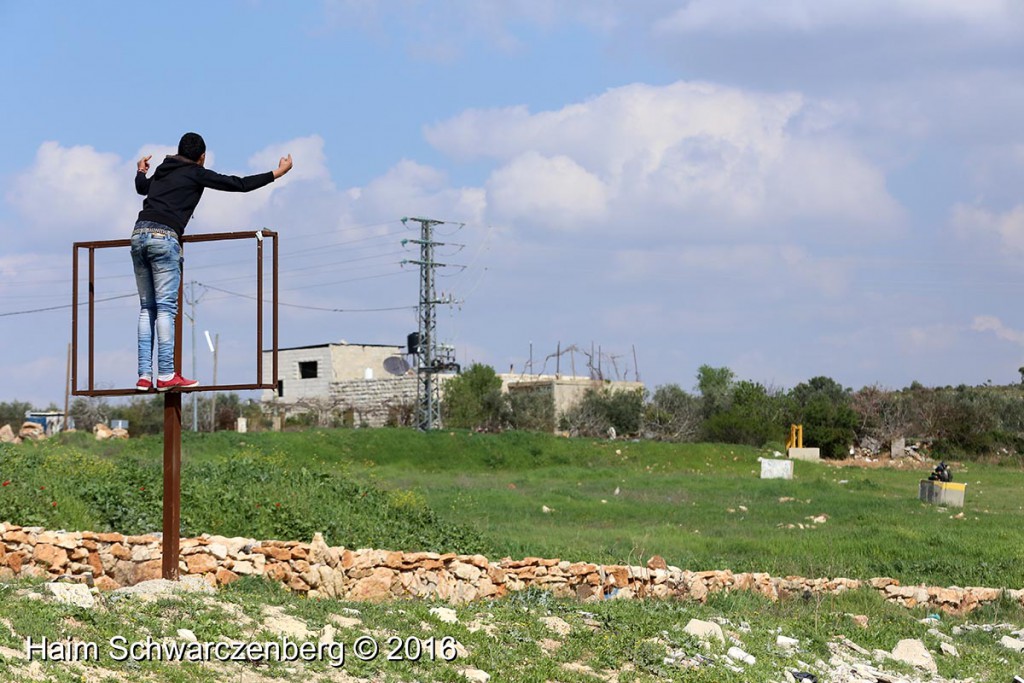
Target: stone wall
(112,560)
(372,401)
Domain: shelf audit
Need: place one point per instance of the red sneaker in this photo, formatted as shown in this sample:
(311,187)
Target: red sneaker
(143,385)
(176,382)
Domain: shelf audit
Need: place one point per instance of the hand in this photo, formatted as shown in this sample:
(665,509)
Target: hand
(144,164)
(283,166)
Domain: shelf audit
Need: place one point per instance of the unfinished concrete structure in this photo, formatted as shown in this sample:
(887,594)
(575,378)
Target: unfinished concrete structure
(565,391)
(350,379)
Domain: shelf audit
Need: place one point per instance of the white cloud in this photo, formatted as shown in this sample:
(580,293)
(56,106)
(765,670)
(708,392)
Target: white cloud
(990,323)
(773,269)
(75,194)
(996,16)
(554,192)
(1007,227)
(685,158)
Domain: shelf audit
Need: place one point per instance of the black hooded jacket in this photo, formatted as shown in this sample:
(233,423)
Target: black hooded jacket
(177,185)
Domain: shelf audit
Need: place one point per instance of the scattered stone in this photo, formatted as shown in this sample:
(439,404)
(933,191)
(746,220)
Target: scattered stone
(32,431)
(7,434)
(912,651)
(738,655)
(1012,643)
(860,620)
(345,622)
(557,624)
(475,675)
(276,621)
(949,649)
(445,614)
(786,643)
(704,630)
(188,635)
(77,594)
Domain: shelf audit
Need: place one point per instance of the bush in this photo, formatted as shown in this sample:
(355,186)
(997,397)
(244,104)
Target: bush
(755,416)
(672,414)
(600,410)
(532,410)
(822,405)
(473,400)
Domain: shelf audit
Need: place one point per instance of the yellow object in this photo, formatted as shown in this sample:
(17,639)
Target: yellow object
(950,485)
(796,437)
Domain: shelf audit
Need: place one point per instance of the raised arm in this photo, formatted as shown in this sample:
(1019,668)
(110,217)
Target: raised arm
(283,166)
(141,181)
(233,183)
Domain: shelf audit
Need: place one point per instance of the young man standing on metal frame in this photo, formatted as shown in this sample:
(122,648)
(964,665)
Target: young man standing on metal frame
(171,196)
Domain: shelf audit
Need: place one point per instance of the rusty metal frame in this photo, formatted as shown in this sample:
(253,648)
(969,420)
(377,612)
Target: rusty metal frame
(90,387)
(171,541)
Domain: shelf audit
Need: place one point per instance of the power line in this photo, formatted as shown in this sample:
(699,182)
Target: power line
(57,308)
(312,308)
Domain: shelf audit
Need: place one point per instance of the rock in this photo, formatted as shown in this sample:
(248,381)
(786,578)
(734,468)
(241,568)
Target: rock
(912,651)
(860,619)
(7,434)
(33,431)
(102,431)
(704,630)
(657,562)
(53,557)
(1012,643)
(187,635)
(77,594)
(557,624)
(373,588)
(276,621)
(948,649)
(475,675)
(786,643)
(201,563)
(346,622)
(163,587)
(445,614)
(738,655)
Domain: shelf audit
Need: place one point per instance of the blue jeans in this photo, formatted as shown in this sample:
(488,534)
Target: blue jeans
(156,257)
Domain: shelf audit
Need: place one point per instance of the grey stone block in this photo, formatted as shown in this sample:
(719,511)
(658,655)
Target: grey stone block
(809,454)
(776,469)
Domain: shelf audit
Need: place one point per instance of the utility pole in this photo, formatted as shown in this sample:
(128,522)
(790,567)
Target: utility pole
(428,359)
(195,397)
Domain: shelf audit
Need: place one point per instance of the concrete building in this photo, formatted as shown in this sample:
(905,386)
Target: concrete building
(565,391)
(368,384)
(372,384)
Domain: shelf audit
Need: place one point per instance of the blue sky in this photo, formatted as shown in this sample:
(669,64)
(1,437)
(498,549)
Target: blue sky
(789,189)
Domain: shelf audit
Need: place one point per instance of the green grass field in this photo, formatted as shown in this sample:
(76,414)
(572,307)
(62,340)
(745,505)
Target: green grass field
(700,506)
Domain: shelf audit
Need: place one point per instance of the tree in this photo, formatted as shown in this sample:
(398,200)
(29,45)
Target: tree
(822,405)
(87,412)
(473,400)
(673,414)
(600,409)
(533,410)
(755,416)
(13,414)
(715,386)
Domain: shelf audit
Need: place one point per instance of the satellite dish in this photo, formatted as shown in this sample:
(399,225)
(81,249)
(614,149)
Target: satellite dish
(396,365)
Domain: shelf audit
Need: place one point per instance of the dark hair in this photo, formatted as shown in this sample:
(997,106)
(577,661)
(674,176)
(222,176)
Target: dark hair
(191,146)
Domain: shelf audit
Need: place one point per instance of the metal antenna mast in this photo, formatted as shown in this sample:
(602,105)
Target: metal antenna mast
(428,408)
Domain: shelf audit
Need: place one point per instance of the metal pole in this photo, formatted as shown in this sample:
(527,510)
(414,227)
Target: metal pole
(195,397)
(67,391)
(172,464)
(213,399)
(172,485)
